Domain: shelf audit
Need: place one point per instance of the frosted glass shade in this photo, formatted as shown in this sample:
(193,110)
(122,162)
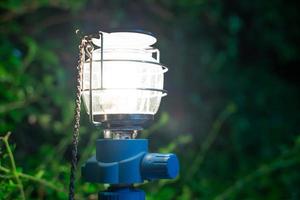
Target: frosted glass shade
(132,78)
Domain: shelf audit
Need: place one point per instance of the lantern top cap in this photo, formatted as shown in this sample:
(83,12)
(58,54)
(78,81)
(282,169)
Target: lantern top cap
(125,39)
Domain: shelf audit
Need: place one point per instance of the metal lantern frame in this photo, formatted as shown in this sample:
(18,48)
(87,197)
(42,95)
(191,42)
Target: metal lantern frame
(88,58)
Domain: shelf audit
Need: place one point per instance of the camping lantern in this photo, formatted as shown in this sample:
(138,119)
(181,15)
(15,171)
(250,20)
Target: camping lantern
(122,82)
(122,86)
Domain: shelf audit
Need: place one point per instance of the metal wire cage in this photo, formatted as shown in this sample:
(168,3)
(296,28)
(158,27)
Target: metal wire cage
(122,83)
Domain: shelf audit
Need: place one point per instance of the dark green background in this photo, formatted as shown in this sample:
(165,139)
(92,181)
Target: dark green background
(232,113)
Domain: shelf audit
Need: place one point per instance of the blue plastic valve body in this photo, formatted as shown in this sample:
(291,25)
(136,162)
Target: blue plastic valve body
(127,161)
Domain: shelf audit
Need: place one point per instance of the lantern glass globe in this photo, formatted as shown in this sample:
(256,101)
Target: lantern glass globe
(132,76)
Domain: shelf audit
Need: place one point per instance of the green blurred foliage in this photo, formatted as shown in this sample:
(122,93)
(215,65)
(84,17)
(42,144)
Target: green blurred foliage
(231,114)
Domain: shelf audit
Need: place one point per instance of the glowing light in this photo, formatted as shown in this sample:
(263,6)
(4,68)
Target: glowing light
(132,77)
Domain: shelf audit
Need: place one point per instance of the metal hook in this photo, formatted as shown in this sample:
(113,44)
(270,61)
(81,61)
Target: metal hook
(89,48)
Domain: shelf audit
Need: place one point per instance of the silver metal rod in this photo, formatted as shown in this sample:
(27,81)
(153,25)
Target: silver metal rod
(147,89)
(101,36)
(129,60)
(91,82)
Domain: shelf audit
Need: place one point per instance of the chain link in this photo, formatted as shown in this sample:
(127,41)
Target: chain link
(75,138)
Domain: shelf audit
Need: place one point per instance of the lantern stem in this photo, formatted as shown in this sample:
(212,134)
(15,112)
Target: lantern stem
(126,192)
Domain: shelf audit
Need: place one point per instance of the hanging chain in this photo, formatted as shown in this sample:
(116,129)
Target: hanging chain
(75,138)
